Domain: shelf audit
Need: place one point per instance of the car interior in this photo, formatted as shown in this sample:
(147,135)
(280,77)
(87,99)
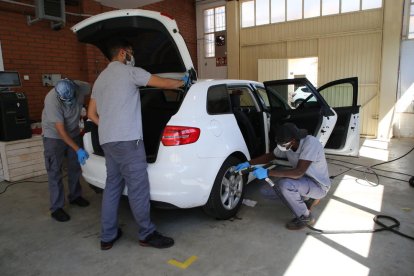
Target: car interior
(249,119)
(157,106)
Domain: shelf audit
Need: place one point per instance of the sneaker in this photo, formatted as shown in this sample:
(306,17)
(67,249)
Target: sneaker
(300,223)
(60,215)
(80,201)
(108,245)
(157,240)
(311,202)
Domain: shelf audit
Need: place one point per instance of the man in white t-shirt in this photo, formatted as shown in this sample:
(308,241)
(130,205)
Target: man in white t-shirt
(308,177)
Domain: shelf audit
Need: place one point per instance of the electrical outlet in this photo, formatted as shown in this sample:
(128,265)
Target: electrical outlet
(50,79)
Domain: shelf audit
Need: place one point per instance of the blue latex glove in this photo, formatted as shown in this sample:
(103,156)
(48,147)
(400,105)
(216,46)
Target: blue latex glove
(186,80)
(82,156)
(260,173)
(242,166)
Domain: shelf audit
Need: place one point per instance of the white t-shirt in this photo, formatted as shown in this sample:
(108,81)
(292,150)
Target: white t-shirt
(309,149)
(118,102)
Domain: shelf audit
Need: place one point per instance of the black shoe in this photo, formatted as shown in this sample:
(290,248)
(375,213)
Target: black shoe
(80,201)
(157,240)
(311,202)
(300,223)
(60,215)
(108,245)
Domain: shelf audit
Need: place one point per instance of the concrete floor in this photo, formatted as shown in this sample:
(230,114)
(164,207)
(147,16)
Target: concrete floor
(31,243)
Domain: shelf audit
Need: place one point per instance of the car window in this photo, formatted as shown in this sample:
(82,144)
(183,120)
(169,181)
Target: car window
(295,96)
(241,97)
(218,101)
(263,96)
(338,95)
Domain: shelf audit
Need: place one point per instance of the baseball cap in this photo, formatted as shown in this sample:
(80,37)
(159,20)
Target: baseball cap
(289,131)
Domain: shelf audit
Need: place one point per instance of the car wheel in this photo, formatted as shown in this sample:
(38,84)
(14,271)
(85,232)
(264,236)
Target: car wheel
(298,103)
(227,193)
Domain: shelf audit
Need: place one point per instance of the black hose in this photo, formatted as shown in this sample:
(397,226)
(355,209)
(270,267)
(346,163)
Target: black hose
(377,219)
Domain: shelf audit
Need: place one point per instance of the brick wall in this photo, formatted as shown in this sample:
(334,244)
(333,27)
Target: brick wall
(37,49)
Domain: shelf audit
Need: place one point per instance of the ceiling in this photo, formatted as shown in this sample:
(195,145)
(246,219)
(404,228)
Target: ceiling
(126,4)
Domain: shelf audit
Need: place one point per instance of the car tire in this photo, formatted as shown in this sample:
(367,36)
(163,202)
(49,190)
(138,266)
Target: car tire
(228,191)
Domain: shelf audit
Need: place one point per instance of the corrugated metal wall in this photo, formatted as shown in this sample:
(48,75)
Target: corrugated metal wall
(346,45)
(272,69)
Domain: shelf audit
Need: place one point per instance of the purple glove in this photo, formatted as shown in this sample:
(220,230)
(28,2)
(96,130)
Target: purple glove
(260,173)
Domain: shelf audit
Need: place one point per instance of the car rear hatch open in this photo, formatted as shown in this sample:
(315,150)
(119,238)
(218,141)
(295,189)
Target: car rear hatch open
(158,46)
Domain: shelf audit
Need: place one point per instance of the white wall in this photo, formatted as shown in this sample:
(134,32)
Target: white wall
(404,112)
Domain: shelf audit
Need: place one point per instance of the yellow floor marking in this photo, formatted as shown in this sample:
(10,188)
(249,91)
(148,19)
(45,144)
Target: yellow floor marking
(183,265)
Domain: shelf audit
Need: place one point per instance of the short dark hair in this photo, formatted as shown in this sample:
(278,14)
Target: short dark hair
(114,45)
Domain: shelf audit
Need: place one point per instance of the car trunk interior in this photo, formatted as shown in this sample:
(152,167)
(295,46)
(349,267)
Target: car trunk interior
(157,107)
(154,48)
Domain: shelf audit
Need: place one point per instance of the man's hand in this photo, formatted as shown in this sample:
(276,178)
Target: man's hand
(242,166)
(260,173)
(82,156)
(186,80)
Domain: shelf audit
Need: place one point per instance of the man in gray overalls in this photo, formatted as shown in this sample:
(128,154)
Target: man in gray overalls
(60,123)
(115,106)
(307,179)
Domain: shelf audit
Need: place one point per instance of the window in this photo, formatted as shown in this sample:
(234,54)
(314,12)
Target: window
(312,8)
(247,14)
(350,5)
(371,4)
(330,7)
(411,21)
(294,10)
(214,21)
(218,101)
(261,12)
(278,10)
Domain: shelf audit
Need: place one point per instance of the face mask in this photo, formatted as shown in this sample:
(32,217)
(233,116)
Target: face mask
(131,61)
(285,147)
(68,102)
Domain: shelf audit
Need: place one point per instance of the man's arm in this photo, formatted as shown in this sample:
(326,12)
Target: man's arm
(165,83)
(263,159)
(60,128)
(294,173)
(93,112)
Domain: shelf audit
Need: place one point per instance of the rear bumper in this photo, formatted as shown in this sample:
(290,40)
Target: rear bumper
(184,185)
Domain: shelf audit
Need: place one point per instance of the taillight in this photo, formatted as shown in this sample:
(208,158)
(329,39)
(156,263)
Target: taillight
(179,135)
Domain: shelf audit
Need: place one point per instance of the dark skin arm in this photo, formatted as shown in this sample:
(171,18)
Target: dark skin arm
(294,173)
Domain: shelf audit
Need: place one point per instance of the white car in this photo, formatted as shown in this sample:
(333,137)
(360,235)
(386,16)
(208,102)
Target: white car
(194,137)
(300,95)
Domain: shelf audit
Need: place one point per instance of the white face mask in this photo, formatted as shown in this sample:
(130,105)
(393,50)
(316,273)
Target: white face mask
(285,147)
(131,61)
